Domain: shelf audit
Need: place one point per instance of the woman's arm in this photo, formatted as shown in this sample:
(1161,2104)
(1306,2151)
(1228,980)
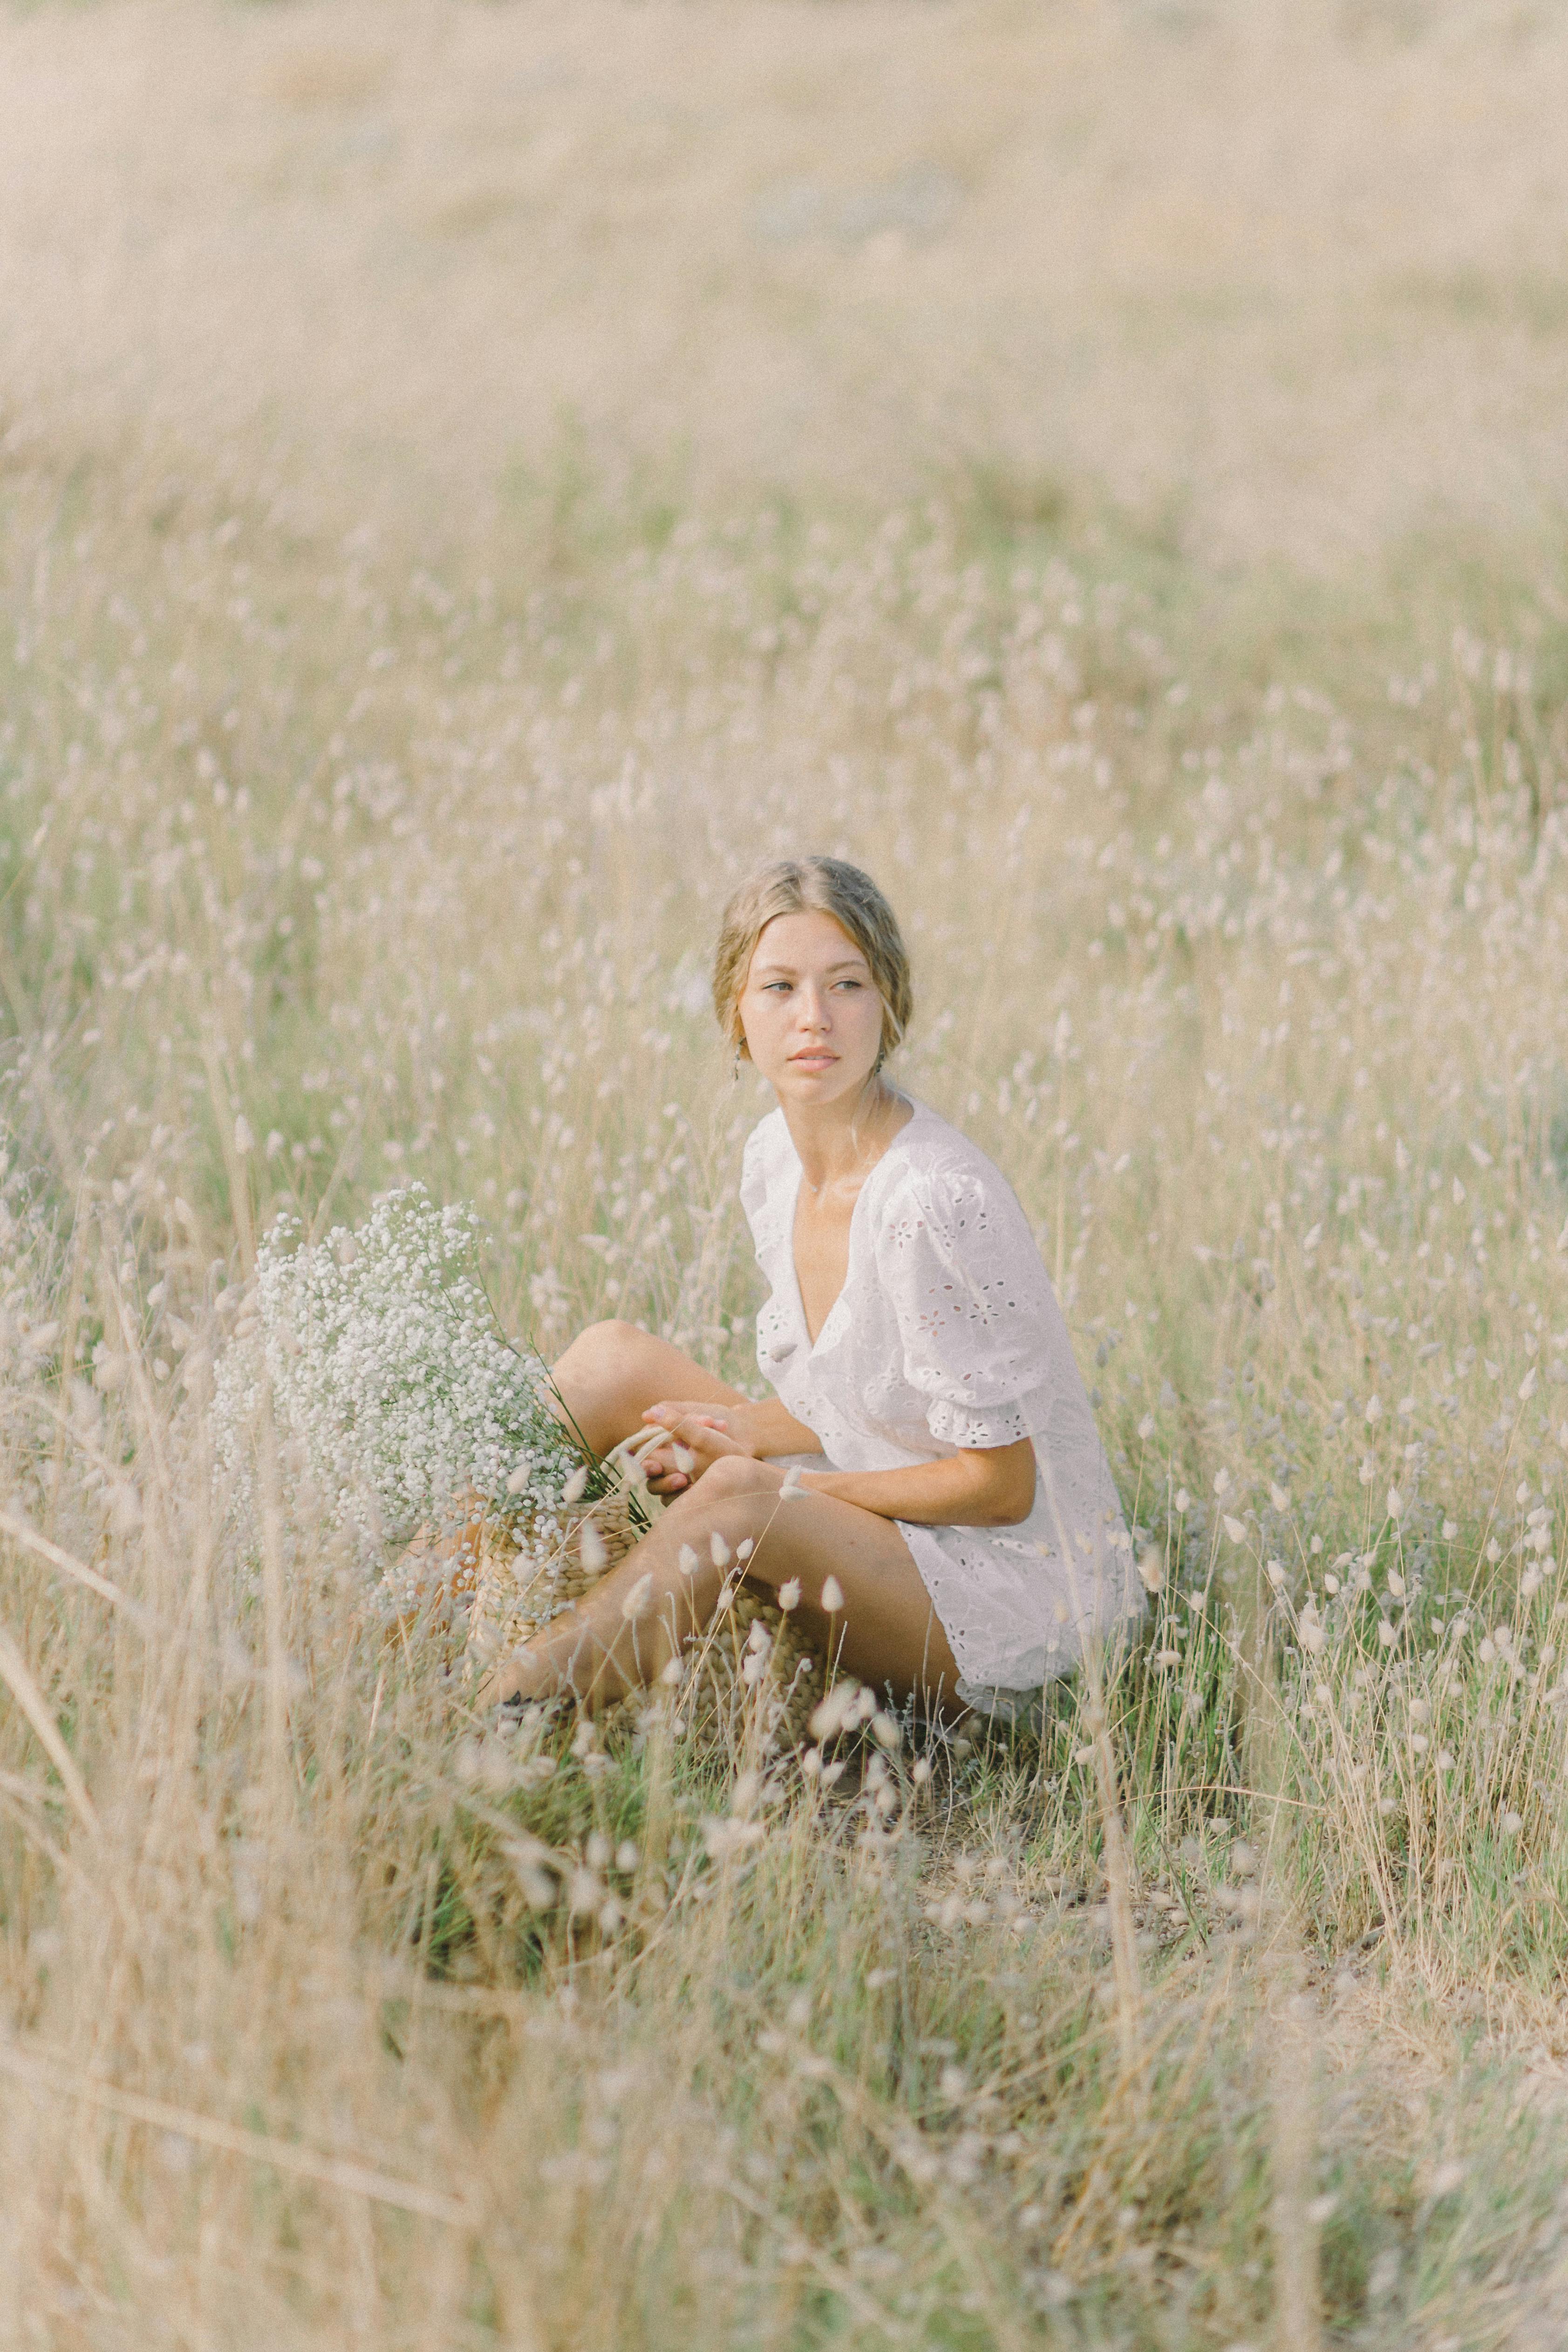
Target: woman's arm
(769,1428)
(699,1432)
(758,1429)
(990,1486)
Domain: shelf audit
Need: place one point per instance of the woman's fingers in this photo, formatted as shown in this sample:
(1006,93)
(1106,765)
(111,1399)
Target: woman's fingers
(673,1452)
(683,1458)
(669,1469)
(671,1412)
(698,1438)
(665,1466)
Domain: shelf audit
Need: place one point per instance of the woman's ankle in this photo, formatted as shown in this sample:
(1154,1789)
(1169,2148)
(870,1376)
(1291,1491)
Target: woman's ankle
(518,1681)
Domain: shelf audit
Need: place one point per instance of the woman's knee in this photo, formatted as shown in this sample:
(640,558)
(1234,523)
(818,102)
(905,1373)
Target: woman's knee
(733,1476)
(606,1349)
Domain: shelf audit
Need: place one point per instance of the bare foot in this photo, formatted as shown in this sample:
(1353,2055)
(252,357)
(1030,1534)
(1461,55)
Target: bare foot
(520,1677)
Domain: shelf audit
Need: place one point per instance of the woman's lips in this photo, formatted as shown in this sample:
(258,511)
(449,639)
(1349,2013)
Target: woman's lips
(813,1061)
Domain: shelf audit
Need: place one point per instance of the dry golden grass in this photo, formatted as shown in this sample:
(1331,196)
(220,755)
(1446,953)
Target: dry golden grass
(475,480)
(1289,277)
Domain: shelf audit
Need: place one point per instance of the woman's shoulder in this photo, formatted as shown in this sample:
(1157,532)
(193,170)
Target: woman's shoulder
(944,1195)
(934,1178)
(767,1144)
(767,1153)
(933,1159)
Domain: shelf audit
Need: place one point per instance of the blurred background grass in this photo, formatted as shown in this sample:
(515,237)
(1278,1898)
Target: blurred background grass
(1273,284)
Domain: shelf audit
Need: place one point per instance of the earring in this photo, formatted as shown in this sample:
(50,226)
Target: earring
(736,1073)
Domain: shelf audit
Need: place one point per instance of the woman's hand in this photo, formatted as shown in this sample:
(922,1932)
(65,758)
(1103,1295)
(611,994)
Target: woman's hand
(700,1434)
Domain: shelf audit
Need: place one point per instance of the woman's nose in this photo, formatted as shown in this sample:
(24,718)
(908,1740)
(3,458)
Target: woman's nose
(812,1010)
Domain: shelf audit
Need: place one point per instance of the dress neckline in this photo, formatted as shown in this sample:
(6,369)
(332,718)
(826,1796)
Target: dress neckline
(918,1111)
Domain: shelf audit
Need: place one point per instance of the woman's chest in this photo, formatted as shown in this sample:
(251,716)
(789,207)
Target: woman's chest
(820,1243)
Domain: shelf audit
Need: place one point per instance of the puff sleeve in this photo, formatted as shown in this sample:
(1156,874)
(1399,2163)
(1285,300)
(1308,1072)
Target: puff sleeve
(984,1342)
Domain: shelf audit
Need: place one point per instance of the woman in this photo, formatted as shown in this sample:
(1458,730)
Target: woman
(953,1530)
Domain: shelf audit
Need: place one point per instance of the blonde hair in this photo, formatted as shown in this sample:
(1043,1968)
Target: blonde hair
(826,886)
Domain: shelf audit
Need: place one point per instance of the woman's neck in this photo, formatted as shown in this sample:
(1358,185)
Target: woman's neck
(837,1143)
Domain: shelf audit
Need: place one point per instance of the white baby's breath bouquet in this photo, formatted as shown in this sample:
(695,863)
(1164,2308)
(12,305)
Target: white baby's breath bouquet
(395,1396)
(399,1405)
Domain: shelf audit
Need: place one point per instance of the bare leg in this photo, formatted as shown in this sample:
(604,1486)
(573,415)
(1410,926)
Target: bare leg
(607,1379)
(614,1371)
(625,1631)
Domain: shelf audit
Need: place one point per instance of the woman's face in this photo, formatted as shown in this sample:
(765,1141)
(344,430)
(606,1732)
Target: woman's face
(810,1010)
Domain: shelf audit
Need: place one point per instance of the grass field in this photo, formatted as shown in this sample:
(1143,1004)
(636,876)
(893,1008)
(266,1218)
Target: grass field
(472,481)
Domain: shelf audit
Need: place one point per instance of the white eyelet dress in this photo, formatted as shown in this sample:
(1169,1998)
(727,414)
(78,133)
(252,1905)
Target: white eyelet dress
(947,1334)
